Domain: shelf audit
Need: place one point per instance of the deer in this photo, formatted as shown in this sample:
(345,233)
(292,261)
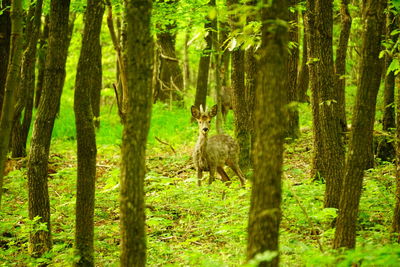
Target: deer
(212,154)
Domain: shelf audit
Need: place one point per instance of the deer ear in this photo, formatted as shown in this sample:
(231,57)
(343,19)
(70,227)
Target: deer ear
(213,111)
(195,112)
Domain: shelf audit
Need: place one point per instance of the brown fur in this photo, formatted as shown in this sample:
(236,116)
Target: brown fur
(212,154)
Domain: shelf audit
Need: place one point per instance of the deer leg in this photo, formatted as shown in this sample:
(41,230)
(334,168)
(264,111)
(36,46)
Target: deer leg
(239,173)
(212,175)
(224,175)
(199,177)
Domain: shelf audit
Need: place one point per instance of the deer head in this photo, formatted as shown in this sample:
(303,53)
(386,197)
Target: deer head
(204,117)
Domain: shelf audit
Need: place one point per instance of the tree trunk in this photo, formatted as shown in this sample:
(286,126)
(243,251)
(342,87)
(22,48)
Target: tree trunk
(386,147)
(54,76)
(204,67)
(293,130)
(42,51)
(303,77)
(329,152)
(136,127)
(362,123)
(16,46)
(5,33)
(170,82)
(312,57)
(396,213)
(271,98)
(340,63)
(26,87)
(239,97)
(86,83)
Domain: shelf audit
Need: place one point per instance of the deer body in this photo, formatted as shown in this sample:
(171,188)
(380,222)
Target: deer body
(212,154)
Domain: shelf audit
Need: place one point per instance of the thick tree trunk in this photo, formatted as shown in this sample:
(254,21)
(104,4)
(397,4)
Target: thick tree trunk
(5,33)
(26,88)
(136,127)
(340,63)
(16,46)
(362,123)
(204,67)
(54,76)
(87,82)
(42,51)
(239,97)
(271,98)
(329,149)
(293,130)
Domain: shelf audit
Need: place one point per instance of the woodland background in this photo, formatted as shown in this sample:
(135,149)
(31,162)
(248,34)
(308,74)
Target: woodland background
(185,224)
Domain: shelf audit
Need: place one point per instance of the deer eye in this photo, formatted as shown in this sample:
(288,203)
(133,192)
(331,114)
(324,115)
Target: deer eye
(209,121)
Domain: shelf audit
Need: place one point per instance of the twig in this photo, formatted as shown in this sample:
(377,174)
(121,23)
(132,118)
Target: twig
(165,143)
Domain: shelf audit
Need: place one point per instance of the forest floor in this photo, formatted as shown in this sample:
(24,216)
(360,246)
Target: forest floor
(188,225)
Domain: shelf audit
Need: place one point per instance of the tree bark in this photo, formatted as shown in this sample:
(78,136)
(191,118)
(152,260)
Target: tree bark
(362,123)
(42,51)
(293,130)
(136,127)
(87,82)
(240,97)
(204,67)
(16,46)
(170,83)
(396,213)
(303,77)
(26,87)
(329,150)
(54,76)
(271,98)
(5,33)
(340,63)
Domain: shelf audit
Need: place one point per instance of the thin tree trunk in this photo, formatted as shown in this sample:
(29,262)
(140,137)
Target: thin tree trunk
(136,128)
(239,97)
(54,76)
(389,122)
(5,33)
(340,63)
(396,213)
(42,51)
(16,46)
(204,67)
(86,78)
(303,77)
(293,130)
(362,123)
(271,116)
(27,82)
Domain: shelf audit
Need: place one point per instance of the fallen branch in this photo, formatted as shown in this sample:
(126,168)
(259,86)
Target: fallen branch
(165,143)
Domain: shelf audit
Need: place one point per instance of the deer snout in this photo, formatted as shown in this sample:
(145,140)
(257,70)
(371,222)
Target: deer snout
(205,130)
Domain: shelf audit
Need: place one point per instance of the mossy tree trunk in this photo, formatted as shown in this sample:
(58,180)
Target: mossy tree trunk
(270,117)
(203,72)
(26,89)
(329,154)
(5,33)
(340,62)
(42,51)
(362,123)
(12,80)
(85,84)
(293,129)
(136,128)
(54,76)
(239,94)
(303,77)
(396,213)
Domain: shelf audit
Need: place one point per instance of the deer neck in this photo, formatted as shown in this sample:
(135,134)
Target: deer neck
(201,154)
